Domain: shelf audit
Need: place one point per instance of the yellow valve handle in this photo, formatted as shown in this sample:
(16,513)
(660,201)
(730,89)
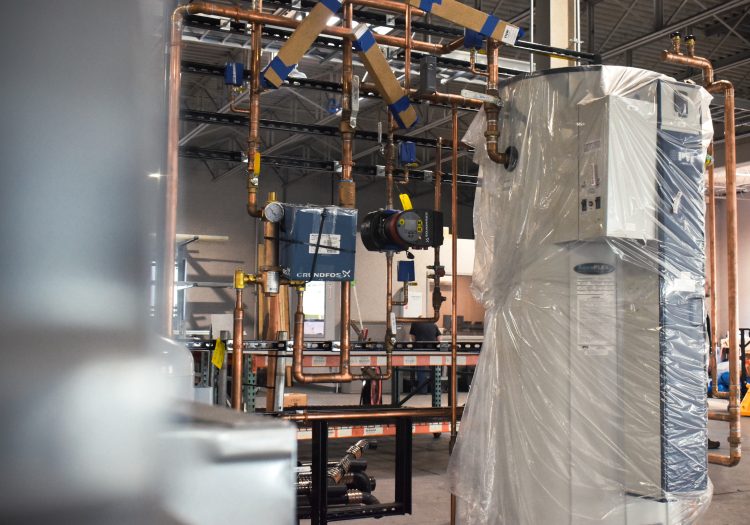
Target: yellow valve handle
(256,163)
(405,202)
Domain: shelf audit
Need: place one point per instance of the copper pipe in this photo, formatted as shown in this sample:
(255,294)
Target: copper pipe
(713,310)
(472,65)
(730,163)
(407,49)
(415,413)
(405,300)
(253,137)
(237,348)
(234,107)
(172,175)
(449,99)
(452,45)
(697,62)
(272,300)
(246,15)
(454,296)
(343,375)
(492,111)
(438,272)
(388,5)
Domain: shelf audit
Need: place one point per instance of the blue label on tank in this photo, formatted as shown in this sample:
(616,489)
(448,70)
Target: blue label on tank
(593,268)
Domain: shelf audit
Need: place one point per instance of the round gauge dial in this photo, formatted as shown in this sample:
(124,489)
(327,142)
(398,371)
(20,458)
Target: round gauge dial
(273,211)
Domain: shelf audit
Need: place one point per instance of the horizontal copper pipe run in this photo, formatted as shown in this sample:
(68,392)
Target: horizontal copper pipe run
(246,15)
(415,413)
(697,62)
(447,99)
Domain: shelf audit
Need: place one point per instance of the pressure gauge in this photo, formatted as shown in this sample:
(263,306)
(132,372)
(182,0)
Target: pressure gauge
(274,211)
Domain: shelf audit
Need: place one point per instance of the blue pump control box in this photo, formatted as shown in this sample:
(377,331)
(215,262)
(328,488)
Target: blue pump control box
(317,243)
(406,272)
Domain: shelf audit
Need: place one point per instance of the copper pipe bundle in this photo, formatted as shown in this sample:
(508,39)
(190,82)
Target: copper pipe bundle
(732,416)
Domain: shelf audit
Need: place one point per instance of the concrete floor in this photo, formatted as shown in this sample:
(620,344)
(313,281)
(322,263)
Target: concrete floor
(729,506)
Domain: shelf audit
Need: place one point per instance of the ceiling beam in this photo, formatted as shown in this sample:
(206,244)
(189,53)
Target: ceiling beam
(672,27)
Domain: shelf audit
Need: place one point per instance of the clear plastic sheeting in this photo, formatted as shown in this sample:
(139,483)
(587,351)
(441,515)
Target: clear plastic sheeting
(588,404)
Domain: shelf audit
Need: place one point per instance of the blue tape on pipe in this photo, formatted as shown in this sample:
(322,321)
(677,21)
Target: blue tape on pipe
(332,5)
(472,39)
(280,68)
(397,107)
(426,5)
(489,26)
(365,42)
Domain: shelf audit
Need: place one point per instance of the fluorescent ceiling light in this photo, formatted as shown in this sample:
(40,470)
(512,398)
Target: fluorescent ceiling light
(333,21)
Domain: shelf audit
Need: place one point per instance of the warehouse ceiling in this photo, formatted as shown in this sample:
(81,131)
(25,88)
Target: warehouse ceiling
(623,32)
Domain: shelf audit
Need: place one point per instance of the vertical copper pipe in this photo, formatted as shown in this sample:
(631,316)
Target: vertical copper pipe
(237,347)
(253,138)
(172,175)
(407,48)
(492,110)
(713,310)
(730,163)
(454,295)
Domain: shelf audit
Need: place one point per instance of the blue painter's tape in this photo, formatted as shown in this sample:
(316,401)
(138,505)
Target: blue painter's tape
(332,5)
(521,33)
(280,68)
(365,42)
(397,107)
(472,39)
(489,26)
(426,5)
(400,105)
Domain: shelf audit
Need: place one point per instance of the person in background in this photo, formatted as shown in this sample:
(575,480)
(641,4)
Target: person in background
(424,333)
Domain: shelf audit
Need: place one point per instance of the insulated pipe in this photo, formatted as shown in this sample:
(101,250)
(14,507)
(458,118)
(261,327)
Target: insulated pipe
(454,296)
(237,348)
(730,162)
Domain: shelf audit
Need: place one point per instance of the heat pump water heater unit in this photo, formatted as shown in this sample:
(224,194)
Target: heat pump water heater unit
(589,401)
